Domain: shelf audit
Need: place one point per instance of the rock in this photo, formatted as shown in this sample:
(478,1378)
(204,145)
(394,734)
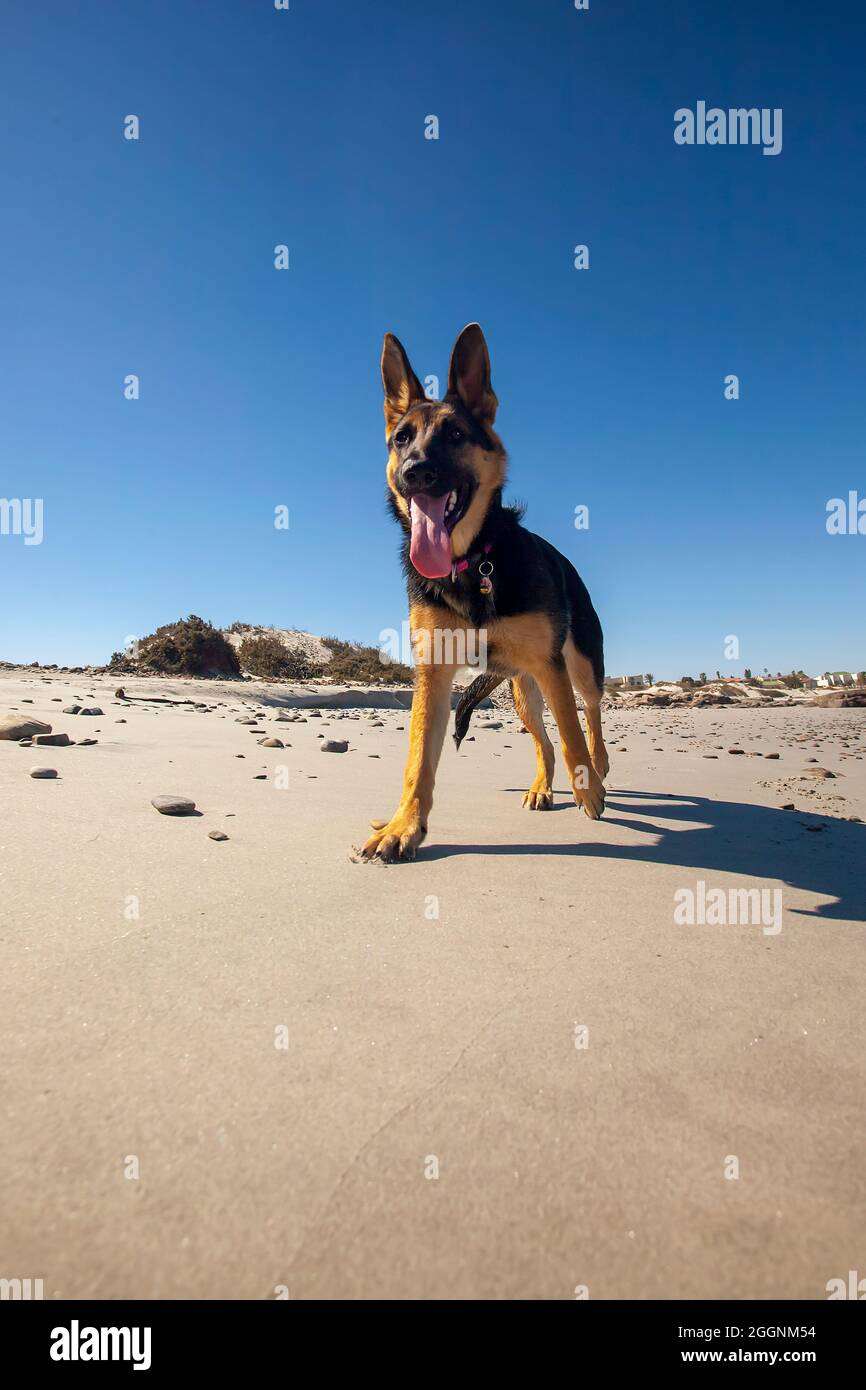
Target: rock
(217,835)
(86,742)
(173,805)
(120,693)
(741,751)
(55,740)
(771,755)
(15,727)
(492,725)
(271,743)
(334,745)
(821,772)
(71,709)
(43,772)
(91,709)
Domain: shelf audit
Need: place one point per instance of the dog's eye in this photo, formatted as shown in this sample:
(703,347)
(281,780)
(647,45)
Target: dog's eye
(457,436)
(402,437)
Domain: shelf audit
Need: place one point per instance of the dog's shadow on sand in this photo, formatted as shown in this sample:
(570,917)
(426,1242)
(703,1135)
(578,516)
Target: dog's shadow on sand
(820,854)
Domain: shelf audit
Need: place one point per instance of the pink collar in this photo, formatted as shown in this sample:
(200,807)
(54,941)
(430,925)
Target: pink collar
(462,565)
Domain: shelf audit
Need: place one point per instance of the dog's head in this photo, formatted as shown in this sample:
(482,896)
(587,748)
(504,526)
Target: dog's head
(445,464)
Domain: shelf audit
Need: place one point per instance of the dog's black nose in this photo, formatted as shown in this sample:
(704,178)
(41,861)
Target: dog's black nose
(419,474)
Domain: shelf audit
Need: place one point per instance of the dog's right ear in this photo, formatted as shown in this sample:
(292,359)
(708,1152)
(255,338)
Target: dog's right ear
(402,386)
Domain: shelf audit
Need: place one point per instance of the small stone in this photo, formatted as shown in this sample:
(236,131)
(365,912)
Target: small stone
(173,805)
(71,709)
(334,745)
(91,709)
(271,743)
(120,693)
(260,777)
(44,772)
(741,751)
(55,740)
(822,772)
(86,742)
(217,835)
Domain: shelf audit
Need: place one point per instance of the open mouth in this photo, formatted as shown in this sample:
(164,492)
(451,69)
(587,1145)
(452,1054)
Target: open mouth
(432,519)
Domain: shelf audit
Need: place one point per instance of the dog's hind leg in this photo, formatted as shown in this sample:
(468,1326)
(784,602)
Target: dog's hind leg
(586,784)
(583,678)
(530,707)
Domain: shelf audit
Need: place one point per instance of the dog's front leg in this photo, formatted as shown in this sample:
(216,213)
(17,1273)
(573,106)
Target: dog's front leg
(399,837)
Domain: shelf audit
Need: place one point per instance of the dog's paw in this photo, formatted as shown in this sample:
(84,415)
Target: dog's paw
(395,839)
(602,767)
(539,797)
(588,791)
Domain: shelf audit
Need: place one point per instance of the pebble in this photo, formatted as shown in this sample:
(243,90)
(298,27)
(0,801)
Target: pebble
(71,709)
(334,745)
(55,740)
(43,772)
(271,743)
(173,805)
(91,709)
(217,835)
(86,742)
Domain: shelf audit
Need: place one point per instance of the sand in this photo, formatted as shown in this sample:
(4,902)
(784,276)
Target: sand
(358,1081)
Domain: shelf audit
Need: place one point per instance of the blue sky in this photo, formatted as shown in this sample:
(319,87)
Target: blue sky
(261,388)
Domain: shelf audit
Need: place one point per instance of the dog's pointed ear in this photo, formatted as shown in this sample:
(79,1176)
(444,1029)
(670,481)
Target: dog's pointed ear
(402,386)
(469,375)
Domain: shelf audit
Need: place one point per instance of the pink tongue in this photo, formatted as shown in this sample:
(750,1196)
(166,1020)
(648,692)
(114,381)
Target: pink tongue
(430,546)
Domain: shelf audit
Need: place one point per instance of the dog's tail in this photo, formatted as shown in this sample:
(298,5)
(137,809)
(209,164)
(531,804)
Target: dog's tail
(476,692)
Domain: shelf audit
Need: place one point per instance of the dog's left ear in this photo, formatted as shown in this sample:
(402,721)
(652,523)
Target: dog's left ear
(469,375)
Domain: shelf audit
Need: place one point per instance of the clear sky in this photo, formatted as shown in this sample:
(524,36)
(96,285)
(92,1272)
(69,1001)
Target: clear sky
(260,388)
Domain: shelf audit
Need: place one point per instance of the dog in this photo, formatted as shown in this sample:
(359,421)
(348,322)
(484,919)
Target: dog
(472,568)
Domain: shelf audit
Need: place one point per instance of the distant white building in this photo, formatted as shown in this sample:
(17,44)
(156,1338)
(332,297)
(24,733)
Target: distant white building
(628,682)
(835,678)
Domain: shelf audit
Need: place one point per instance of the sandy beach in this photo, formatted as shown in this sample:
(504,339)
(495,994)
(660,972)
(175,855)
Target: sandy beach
(502,1071)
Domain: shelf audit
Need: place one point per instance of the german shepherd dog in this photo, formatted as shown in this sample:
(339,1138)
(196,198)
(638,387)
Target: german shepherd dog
(472,568)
